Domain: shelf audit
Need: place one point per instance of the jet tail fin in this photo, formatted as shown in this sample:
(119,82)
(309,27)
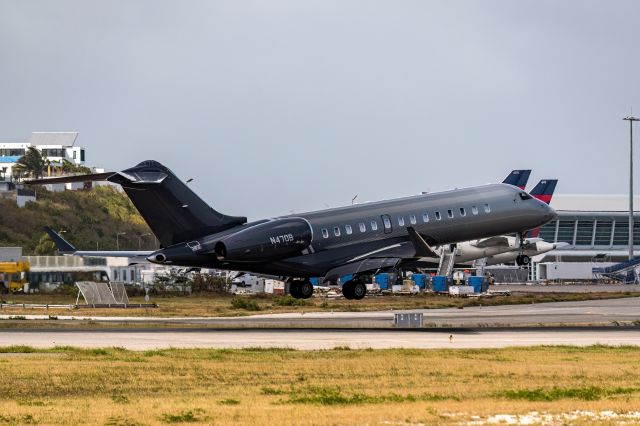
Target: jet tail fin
(171,209)
(543,191)
(518,178)
(62,245)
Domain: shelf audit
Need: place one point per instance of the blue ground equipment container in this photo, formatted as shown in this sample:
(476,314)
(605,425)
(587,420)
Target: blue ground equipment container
(345,278)
(420,280)
(439,283)
(382,280)
(476,283)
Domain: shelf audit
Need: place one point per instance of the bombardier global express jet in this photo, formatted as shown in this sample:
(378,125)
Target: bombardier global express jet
(353,240)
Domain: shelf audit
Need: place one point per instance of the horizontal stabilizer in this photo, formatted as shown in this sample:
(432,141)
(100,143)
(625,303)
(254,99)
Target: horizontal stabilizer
(69,179)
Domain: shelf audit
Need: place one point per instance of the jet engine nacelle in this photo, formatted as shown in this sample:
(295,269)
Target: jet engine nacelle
(269,240)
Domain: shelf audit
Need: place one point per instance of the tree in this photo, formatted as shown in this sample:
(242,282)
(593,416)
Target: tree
(32,163)
(69,167)
(45,246)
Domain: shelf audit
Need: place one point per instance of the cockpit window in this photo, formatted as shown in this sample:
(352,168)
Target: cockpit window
(525,196)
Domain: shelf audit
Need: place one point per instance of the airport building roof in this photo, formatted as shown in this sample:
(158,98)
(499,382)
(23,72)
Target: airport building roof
(594,202)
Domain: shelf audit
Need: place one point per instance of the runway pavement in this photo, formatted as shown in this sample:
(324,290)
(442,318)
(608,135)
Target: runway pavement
(320,339)
(475,327)
(590,312)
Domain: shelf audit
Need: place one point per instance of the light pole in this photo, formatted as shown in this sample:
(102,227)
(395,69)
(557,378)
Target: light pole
(118,239)
(140,239)
(631,119)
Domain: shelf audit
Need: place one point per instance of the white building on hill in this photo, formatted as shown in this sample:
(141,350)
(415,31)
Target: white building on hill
(55,146)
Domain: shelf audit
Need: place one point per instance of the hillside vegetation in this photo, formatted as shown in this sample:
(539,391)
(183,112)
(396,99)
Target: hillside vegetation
(90,218)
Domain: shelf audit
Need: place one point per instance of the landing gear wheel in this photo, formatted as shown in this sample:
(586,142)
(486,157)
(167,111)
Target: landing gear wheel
(294,289)
(301,289)
(347,290)
(305,289)
(523,260)
(354,290)
(359,290)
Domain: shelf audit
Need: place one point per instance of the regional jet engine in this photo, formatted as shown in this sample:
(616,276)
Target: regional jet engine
(268,240)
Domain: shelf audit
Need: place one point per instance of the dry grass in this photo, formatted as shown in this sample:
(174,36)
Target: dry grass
(222,305)
(119,387)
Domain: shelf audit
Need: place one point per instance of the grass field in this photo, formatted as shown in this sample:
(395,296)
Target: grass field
(226,305)
(117,387)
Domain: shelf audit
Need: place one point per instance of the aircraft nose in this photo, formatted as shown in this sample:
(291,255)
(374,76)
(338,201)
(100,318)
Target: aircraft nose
(550,213)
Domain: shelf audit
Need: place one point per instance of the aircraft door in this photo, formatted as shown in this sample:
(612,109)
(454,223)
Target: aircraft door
(386,222)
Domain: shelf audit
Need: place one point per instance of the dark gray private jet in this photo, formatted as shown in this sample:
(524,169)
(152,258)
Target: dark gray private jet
(354,240)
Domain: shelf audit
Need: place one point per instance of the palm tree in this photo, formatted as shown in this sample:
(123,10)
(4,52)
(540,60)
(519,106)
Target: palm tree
(69,167)
(32,163)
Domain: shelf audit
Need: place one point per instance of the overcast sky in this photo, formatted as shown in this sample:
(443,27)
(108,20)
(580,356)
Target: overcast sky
(274,106)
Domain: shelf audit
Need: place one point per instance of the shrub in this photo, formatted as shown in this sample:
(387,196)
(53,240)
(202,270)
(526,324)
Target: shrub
(189,416)
(242,303)
(289,300)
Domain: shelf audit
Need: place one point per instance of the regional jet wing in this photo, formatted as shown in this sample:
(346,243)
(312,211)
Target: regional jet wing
(501,241)
(360,266)
(383,258)
(423,249)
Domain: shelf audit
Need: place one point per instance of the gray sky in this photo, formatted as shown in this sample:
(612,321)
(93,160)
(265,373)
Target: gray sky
(275,106)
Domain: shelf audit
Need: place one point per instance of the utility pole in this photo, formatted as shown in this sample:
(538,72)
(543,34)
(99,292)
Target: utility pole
(631,119)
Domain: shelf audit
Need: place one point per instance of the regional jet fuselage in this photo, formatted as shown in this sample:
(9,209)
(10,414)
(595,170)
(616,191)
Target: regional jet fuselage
(355,240)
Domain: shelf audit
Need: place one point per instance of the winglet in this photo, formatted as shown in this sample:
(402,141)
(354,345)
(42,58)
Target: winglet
(62,245)
(422,248)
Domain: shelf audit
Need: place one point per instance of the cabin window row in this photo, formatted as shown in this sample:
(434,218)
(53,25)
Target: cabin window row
(401,221)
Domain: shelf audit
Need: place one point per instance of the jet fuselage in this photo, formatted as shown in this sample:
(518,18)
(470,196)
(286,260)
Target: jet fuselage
(311,244)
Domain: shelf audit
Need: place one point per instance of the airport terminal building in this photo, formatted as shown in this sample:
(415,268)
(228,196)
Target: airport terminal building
(592,225)
(596,231)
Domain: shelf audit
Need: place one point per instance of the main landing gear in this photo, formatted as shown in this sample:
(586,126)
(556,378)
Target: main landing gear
(301,289)
(354,289)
